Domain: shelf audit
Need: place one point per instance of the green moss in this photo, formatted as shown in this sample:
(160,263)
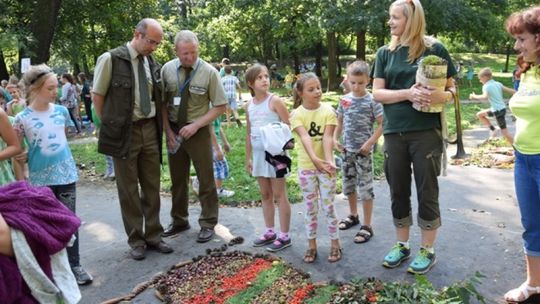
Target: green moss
(433,60)
(322,295)
(263,281)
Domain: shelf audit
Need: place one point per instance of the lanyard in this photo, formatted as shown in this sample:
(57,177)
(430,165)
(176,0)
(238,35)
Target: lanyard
(186,81)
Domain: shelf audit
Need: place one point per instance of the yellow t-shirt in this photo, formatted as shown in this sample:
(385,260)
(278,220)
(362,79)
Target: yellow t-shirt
(315,122)
(525,105)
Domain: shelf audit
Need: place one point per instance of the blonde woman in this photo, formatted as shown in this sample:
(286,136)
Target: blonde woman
(411,137)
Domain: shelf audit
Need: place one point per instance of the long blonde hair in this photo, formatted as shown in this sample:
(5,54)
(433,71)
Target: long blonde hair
(414,35)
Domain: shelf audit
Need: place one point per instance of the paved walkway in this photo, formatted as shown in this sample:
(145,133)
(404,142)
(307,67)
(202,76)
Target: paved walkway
(481,232)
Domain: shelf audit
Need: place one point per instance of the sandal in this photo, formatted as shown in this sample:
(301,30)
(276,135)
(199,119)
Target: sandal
(522,293)
(310,256)
(348,222)
(364,235)
(335,254)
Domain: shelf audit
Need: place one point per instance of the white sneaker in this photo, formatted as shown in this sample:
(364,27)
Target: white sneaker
(225,193)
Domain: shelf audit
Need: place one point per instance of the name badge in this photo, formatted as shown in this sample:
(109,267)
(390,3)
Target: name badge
(176,101)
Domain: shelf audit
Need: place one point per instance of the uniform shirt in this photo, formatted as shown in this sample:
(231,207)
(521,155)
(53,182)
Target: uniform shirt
(49,158)
(315,122)
(525,105)
(204,88)
(399,74)
(358,114)
(103,75)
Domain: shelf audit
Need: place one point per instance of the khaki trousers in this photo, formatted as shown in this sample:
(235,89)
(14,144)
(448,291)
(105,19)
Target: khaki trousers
(197,149)
(140,209)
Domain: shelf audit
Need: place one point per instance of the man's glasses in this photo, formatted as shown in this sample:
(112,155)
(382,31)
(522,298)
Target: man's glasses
(150,41)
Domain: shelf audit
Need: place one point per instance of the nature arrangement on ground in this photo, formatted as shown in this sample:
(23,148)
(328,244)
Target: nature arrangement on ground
(493,153)
(242,277)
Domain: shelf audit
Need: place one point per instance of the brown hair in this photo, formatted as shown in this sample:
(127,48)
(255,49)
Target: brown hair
(82,77)
(299,87)
(525,21)
(252,73)
(358,68)
(227,69)
(69,78)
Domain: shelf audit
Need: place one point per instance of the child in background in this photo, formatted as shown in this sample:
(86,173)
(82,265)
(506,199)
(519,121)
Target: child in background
(357,111)
(17,104)
(470,73)
(314,124)
(231,84)
(44,125)
(493,92)
(289,81)
(220,146)
(9,147)
(265,108)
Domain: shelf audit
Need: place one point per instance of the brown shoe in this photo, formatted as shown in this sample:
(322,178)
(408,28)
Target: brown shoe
(173,230)
(137,253)
(161,247)
(205,235)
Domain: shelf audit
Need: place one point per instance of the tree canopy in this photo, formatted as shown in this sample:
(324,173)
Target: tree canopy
(71,34)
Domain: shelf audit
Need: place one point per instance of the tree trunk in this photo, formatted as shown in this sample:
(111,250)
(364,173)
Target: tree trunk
(507,58)
(361,44)
(318,58)
(226,51)
(380,37)
(332,58)
(338,61)
(42,27)
(296,60)
(4,74)
(86,69)
(76,69)
(278,53)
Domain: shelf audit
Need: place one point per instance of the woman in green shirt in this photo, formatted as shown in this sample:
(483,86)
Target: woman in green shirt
(411,137)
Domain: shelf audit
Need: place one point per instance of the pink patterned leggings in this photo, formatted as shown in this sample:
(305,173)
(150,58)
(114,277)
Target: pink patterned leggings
(318,188)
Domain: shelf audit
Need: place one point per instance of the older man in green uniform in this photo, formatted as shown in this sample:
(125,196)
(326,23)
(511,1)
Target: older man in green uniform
(127,96)
(190,85)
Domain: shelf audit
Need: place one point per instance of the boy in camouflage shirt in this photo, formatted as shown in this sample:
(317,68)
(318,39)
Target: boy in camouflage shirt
(357,111)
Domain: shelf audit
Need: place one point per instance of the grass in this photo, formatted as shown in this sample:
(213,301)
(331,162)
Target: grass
(496,62)
(240,181)
(246,187)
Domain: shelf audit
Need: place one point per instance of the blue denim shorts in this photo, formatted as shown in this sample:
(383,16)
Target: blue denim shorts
(527,183)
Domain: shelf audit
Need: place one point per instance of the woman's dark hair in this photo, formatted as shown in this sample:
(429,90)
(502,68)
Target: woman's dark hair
(68,77)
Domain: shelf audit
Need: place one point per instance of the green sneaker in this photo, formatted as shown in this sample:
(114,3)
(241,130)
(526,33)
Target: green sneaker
(397,254)
(423,262)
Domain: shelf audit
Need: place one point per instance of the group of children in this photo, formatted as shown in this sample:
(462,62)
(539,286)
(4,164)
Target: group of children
(318,129)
